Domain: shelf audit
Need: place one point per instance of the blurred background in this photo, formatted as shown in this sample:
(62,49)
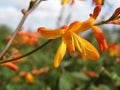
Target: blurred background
(36,72)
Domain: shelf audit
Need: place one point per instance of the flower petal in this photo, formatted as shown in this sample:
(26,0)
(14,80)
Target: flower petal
(98,2)
(85,25)
(85,47)
(69,41)
(74,26)
(60,53)
(78,43)
(71,46)
(11,66)
(97,11)
(50,34)
(100,38)
(64,2)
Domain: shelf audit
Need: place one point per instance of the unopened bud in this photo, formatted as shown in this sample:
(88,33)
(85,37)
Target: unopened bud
(24,11)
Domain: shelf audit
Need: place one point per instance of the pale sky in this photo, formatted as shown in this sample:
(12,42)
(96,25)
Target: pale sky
(47,13)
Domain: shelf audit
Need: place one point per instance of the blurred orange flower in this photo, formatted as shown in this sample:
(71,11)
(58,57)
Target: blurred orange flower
(67,1)
(98,2)
(11,66)
(100,38)
(40,71)
(29,78)
(91,74)
(114,50)
(23,38)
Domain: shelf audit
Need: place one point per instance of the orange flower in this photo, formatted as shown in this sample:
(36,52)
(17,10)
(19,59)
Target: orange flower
(118,52)
(14,41)
(114,50)
(11,66)
(40,71)
(98,2)
(100,38)
(29,78)
(67,1)
(71,39)
(15,53)
(91,74)
(24,38)
(33,38)
(86,25)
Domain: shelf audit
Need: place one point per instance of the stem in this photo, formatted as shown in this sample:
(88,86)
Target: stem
(13,36)
(29,53)
(102,22)
(19,27)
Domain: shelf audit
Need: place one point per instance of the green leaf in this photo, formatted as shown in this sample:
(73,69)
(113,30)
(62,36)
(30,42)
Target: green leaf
(65,82)
(104,87)
(80,75)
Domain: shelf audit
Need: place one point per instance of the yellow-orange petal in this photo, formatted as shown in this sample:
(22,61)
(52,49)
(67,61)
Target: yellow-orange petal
(64,2)
(86,25)
(78,43)
(98,2)
(74,26)
(85,47)
(69,41)
(50,34)
(70,46)
(29,78)
(91,51)
(60,53)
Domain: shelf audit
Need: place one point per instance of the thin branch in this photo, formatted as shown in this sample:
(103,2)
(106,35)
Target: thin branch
(29,53)
(19,27)
(102,22)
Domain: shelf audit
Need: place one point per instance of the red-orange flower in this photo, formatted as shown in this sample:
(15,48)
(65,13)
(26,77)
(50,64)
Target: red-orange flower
(11,66)
(24,38)
(91,74)
(114,50)
(70,40)
(100,38)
